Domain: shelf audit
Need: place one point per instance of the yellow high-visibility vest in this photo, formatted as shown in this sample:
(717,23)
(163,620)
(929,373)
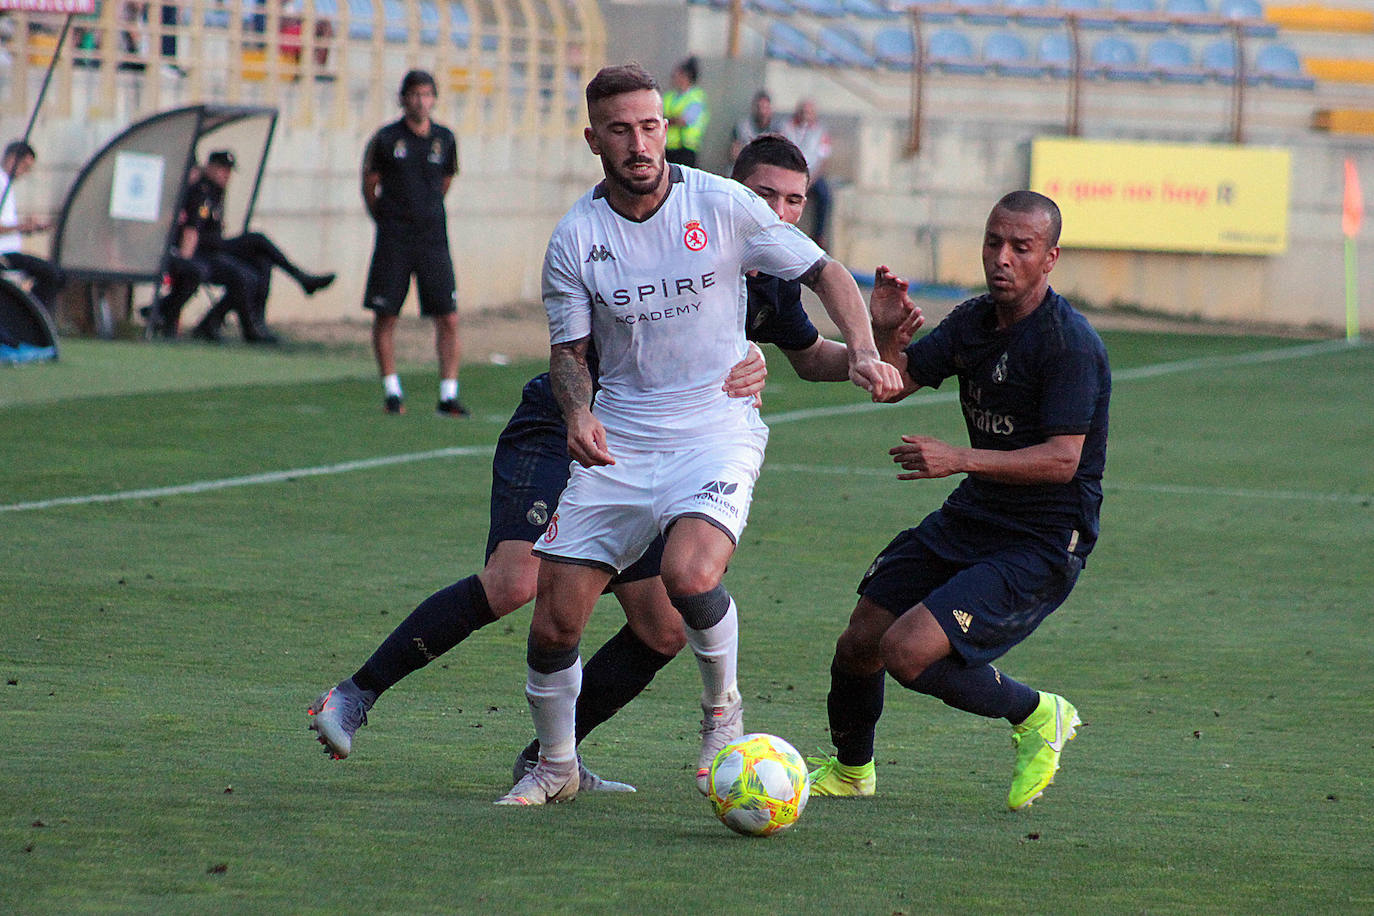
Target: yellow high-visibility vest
(690,106)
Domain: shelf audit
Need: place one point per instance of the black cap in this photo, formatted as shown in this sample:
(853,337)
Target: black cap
(222,157)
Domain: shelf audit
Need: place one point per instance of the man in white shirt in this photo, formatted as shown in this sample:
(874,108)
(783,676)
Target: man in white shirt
(16,162)
(805,129)
(645,274)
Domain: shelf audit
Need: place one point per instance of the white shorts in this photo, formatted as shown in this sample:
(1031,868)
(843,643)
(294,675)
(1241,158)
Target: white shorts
(608,515)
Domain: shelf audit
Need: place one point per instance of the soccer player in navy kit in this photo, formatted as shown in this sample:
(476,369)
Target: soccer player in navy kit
(947,598)
(529,472)
(407,169)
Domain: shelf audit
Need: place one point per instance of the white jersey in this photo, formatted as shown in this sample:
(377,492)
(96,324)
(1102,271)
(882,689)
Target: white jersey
(11,241)
(664,302)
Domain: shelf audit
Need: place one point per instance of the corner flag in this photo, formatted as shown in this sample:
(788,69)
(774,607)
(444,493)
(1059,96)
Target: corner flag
(1352,212)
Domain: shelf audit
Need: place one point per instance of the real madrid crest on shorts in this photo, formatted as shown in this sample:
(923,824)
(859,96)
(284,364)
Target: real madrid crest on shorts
(999,371)
(695,236)
(538,514)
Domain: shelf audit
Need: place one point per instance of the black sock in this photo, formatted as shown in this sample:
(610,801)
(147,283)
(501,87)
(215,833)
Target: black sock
(442,621)
(854,705)
(616,674)
(981,690)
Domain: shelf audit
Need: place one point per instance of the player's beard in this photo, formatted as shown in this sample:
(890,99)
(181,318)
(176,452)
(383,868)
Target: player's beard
(637,186)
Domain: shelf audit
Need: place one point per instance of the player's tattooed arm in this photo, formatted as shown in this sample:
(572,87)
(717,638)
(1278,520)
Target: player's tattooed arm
(571,380)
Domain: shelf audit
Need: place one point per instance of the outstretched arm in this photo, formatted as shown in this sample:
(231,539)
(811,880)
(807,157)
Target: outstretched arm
(896,319)
(571,380)
(840,295)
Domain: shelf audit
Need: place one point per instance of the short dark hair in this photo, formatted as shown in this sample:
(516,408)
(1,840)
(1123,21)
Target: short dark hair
(1033,202)
(613,81)
(415,78)
(690,68)
(19,149)
(769,149)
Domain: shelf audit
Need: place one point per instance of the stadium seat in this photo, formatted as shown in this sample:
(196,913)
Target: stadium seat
(789,44)
(1090,13)
(459,25)
(360,20)
(1253,13)
(841,46)
(1279,65)
(982,12)
(1172,61)
(870,9)
(1035,13)
(1056,54)
(895,49)
(1140,15)
(952,52)
(933,11)
(1219,60)
(429,22)
(1006,54)
(1185,14)
(394,13)
(1117,59)
(823,9)
(772,7)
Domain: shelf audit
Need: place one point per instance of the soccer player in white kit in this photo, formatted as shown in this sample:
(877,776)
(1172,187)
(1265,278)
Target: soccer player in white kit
(646,272)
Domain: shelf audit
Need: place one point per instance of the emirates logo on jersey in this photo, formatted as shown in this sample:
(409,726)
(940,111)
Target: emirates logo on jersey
(695,236)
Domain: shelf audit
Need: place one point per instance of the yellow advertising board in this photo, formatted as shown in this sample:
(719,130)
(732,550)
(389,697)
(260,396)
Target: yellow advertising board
(1165,196)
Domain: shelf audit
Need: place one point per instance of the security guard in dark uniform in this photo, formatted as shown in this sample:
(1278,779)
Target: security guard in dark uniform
(242,265)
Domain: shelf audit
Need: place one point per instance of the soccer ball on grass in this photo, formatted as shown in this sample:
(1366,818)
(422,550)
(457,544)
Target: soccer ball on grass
(758,785)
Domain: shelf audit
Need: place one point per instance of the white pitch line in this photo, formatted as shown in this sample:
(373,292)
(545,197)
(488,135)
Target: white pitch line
(1354,499)
(789,416)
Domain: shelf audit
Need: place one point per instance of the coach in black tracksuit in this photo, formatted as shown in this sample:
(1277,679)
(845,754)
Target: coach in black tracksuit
(407,170)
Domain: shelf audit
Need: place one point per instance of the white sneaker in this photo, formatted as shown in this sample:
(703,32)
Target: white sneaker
(719,726)
(587,781)
(545,784)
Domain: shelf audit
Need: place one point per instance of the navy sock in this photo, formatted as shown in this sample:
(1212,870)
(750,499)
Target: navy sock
(442,621)
(981,690)
(616,674)
(854,705)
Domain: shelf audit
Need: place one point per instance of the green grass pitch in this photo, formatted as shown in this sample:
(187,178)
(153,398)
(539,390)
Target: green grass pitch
(159,650)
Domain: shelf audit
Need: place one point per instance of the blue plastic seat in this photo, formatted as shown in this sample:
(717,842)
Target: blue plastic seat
(459,25)
(952,52)
(772,7)
(429,22)
(894,49)
(1007,55)
(1253,12)
(1056,54)
(1091,14)
(360,19)
(1279,65)
(1186,10)
(932,11)
(789,44)
(1219,60)
(1140,15)
(1117,59)
(982,12)
(1172,61)
(394,13)
(841,46)
(870,9)
(824,9)
(1035,13)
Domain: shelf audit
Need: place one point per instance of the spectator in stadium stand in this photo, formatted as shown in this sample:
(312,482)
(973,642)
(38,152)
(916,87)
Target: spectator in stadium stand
(758,121)
(806,130)
(407,170)
(16,162)
(686,110)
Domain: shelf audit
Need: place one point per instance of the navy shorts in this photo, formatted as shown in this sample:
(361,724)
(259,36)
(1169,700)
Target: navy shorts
(987,587)
(396,257)
(528,474)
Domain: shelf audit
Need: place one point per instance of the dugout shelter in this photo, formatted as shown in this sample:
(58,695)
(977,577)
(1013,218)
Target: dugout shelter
(117,226)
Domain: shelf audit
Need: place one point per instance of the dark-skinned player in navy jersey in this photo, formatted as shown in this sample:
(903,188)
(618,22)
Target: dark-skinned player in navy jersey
(948,597)
(529,472)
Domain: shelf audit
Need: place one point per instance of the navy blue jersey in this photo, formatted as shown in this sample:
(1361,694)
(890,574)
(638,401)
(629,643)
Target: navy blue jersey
(203,211)
(1047,375)
(412,170)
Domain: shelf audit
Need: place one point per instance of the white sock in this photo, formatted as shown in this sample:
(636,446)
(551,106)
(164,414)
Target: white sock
(448,389)
(392,384)
(553,705)
(717,652)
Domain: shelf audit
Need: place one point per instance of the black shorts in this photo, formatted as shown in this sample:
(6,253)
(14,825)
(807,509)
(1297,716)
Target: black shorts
(528,474)
(987,587)
(400,253)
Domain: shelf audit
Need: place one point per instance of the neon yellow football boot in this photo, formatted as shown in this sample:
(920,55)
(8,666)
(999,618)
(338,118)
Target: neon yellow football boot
(1039,741)
(833,779)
